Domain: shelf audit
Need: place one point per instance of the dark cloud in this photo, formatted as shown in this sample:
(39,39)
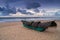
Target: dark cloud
(2,9)
(32,5)
(22,11)
(36,10)
(6,11)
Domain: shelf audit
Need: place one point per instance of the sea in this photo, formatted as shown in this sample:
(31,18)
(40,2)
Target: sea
(28,19)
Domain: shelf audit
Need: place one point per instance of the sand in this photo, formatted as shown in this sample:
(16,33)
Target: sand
(16,31)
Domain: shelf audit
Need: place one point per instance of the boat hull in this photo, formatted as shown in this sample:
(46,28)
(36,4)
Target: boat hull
(41,29)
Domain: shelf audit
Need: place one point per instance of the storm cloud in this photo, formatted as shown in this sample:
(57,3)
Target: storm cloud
(32,5)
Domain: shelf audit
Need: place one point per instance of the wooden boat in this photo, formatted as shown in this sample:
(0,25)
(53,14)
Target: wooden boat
(26,24)
(47,24)
(53,24)
(38,26)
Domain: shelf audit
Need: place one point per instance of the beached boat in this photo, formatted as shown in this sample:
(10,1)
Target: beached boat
(38,26)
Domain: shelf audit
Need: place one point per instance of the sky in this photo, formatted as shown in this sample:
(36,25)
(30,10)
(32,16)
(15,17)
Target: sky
(27,3)
(35,5)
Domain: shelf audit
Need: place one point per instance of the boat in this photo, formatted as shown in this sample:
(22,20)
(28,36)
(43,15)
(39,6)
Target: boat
(38,26)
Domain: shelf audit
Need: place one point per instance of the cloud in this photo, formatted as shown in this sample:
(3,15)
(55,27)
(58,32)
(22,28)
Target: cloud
(27,4)
(36,10)
(17,14)
(0,14)
(30,13)
(24,12)
(2,9)
(33,5)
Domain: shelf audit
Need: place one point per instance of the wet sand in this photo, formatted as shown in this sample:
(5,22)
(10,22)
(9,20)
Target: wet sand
(16,31)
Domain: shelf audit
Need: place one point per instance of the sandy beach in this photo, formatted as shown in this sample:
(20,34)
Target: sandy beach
(16,31)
